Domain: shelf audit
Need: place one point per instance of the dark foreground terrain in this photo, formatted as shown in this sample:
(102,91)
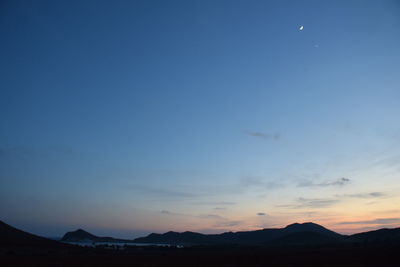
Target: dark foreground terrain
(374,255)
(376,248)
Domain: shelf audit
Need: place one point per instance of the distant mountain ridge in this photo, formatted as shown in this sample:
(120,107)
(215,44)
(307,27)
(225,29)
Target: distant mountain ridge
(78,235)
(299,245)
(257,237)
(83,236)
(377,236)
(299,234)
(294,234)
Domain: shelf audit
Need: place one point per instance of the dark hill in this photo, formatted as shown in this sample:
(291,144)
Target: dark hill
(79,235)
(10,236)
(307,239)
(83,236)
(377,236)
(258,237)
(310,227)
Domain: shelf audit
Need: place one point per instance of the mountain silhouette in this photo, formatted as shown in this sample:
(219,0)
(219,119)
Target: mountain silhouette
(310,231)
(377,236)
(310,227)
(10,236)
(83,236)
(306,238)
(79,236)
(298,234)
(295,245)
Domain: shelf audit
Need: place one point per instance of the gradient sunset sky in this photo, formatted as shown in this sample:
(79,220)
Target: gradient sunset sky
(130,117)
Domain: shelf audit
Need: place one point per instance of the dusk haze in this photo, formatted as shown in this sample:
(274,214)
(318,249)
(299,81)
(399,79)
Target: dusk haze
(126,118)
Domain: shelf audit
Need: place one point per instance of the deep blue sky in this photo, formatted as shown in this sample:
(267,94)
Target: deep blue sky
(126,117)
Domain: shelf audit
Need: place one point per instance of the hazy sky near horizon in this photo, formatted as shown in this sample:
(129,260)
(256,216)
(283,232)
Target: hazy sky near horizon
(128,117)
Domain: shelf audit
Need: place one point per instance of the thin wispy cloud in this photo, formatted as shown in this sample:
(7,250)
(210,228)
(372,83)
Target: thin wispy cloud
(241,186)
(165,212)
(228,223)
(339,182)
(262,135)
(388,161)
(258,182)
(214,203)
(195,196)
(381,221)
(211,216)
(364,195)
(219,221)
(161,192)
(310,203)
(171,213)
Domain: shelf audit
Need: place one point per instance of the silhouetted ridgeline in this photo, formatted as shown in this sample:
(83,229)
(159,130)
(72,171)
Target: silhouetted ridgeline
(378,236)
(293,234)
(10,236)
(83,236)
(295,245)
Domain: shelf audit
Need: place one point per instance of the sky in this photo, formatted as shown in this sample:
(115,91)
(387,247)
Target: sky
(130,117)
